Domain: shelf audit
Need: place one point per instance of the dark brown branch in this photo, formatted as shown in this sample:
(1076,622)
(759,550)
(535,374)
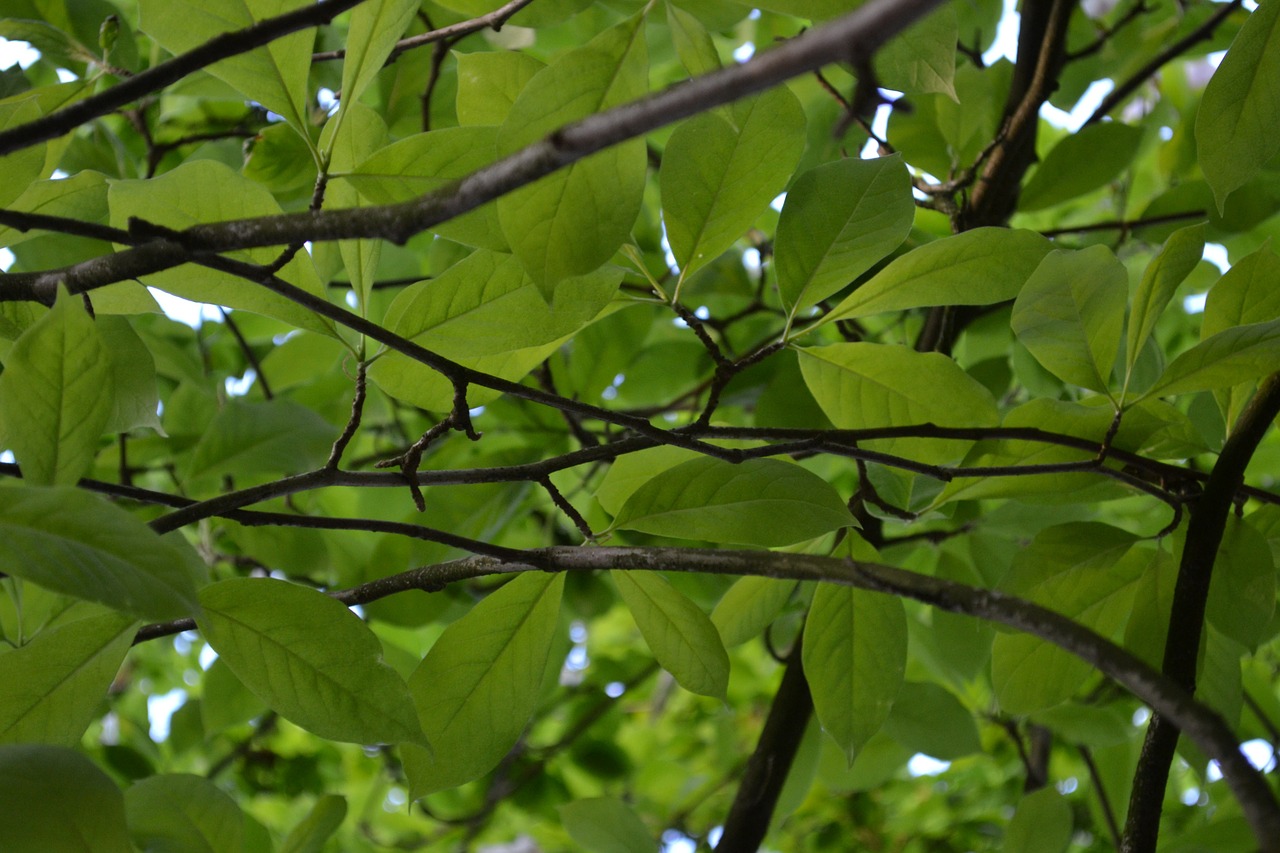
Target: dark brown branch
(154,79)
(1125,225)
(767,769)
(493,20)
(353,422)
(1186,616)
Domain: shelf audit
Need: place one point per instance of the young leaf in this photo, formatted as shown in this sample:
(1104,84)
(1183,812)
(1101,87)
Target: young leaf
(1070,315)
(1234,355)
(53,798)
(978,267)
(1235,124)
(55,683)
(309,658)
(571,222)
(318,826)
(56,394)
(375,26)
(274,76)
(748,607)
(490,82)
(1177,258)
(679,634)
(854,655)
(717,177)
(178,811)
(862,385)
(764,502)
(1081,162)
(76,543)
(606,825)
(838,220)
(479,684)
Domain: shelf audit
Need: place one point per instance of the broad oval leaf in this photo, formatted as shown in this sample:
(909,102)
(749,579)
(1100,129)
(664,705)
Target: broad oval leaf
(76,543)
(56,394)
(838,220)
(179,811)
(489,83)
(53,798)
(479,684)
(854,654)
(571,222)
(922,59)
(606,825)
(275,435)
(1245,294)
(1081,162)
(318,826)
(1042,823)
(1242,594)
(764,502)
(375,26)
(866,385)
(978,267)
(308,658)
(1070,315)
(747,608)
(1235,125)
(55,683)
(928,718)
(1234,355)
(679,634)
(718,176)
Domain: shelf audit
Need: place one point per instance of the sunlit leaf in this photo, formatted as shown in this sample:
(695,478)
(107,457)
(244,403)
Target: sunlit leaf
(748,607)
(1081,162)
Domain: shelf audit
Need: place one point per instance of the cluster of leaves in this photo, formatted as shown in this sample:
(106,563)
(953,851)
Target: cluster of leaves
(568,383)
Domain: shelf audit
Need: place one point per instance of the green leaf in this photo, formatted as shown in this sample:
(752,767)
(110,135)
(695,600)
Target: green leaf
(76,543)
(718,176)
(348,138)
(927,718)
(1245,294)
(1080,570)
(133,377)
(318,826)
(495,320)
(606,825)
(679,634)
(375,26)
(426,162)
(226,701)
(1070,315)
(1081,162)
(247,438)
(82,196)
(693,43)
(178,811)
(274,76)
(978,267)
(571,222)
(1242,594)
(478,686)
(490,82)
(24,166)
(1234,355)
(1235,125)
(308,658)
(1177,258)
(854,655)
(52,798)
(628,473)
(748,607)
(838,220)
(922,58)
(865,385)
(764,502)
(1042,823)
(56,394)
(202,191)
(55,683)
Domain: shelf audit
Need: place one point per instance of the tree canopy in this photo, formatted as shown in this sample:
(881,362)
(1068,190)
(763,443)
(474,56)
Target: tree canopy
(639,424)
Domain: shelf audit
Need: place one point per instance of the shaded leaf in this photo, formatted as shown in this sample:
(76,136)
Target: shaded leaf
(178,811)
(308,658)
(310,835)
(1081,162)
(679,634)
(606,825)
(1177,258)
(246,438)
(1234,355)
(52,798)
(928,718)
(748,607)
(763,502)
(1042,823)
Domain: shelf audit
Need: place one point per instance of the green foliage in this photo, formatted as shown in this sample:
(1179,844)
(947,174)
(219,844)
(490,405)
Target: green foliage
(591,438)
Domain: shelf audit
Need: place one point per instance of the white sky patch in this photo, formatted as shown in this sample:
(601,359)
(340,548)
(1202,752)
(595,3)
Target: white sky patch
(1084,108)
(744,51)
(924,765)
(328,100)
(8,457)
(18,53)
(207,656)
(1006,43)
(160,711)
(184,310)
(1216,254)
(778,202)
(1258,752)
(239,386)
(6,259)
